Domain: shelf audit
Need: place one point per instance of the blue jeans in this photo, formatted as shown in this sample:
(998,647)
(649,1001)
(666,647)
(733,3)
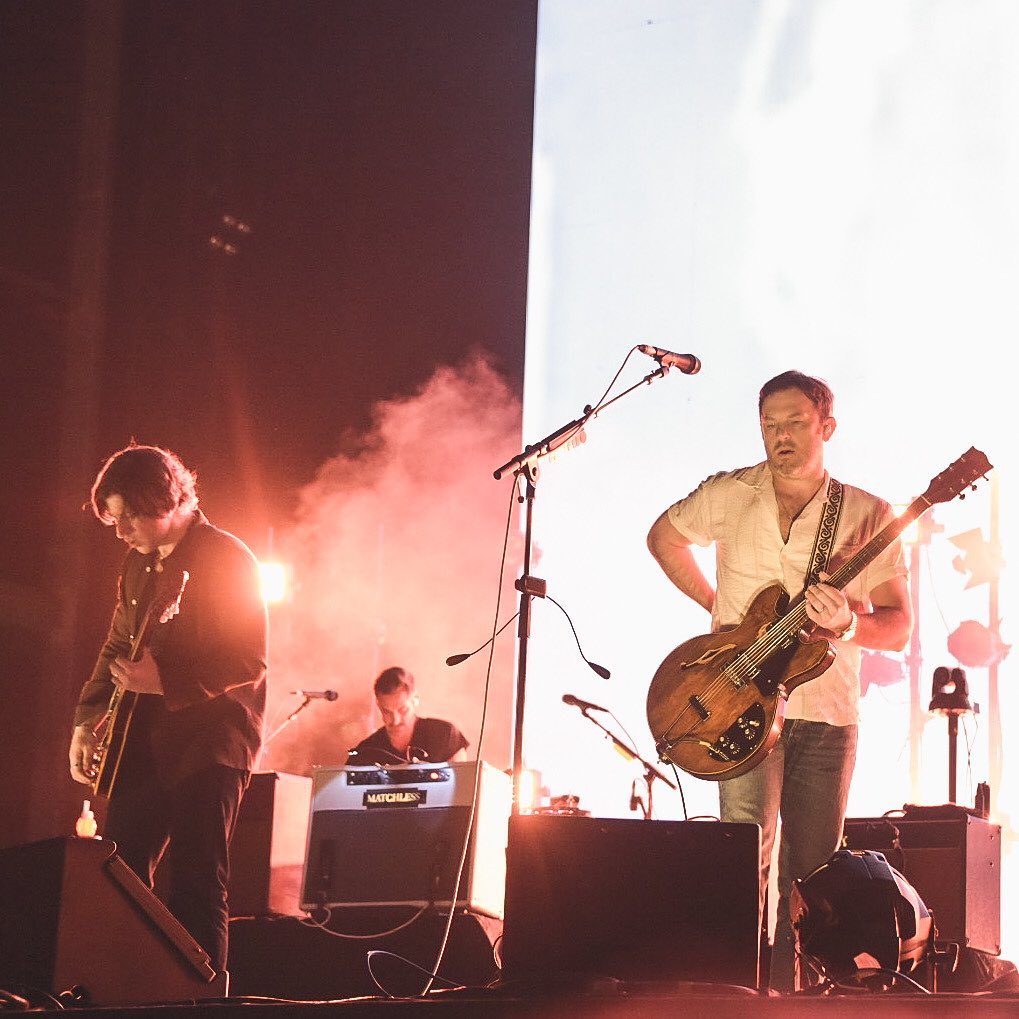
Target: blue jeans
(805,780)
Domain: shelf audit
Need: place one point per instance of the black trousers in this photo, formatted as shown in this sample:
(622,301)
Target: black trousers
(191,822)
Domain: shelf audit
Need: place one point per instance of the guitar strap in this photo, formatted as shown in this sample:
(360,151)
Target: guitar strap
(827,527)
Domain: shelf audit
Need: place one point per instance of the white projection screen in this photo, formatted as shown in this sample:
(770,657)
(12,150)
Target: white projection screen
(829,186)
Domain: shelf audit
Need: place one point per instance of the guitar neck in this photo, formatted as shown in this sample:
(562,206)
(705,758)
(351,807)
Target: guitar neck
(866,555)
(951,482)
(144,629)
(796,617)
(163,606)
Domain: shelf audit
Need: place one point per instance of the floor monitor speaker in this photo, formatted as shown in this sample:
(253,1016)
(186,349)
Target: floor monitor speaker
(632,900)
(75,918)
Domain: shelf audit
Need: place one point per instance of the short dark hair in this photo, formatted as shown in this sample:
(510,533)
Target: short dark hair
(151,480)
(817,391)
(393,680)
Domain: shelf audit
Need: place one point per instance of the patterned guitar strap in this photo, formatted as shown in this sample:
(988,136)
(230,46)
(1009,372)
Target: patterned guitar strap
(827,527)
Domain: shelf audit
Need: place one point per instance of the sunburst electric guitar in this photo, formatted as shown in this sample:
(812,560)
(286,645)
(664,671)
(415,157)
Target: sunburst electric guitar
(716,705)
(113,729)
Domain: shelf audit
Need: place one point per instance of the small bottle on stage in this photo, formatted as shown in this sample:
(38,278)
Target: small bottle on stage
(85,827)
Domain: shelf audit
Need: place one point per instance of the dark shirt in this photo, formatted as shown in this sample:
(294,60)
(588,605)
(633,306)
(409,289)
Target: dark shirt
(211,657)
(434,739)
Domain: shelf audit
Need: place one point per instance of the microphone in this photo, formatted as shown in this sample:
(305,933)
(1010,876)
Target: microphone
(686,363)
(325,695)
(576,702)
(464,655)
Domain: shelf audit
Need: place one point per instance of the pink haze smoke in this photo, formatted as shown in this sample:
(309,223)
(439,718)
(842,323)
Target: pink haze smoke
(395,554)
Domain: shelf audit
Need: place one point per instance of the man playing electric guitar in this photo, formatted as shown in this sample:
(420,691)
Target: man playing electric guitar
(772,523)
(196,688)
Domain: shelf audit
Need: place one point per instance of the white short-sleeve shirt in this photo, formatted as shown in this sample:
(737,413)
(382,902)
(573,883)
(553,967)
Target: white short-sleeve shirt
(737,512)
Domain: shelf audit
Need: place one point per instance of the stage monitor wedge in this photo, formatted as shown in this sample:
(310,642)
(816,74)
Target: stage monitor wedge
(73,915)
(632,900)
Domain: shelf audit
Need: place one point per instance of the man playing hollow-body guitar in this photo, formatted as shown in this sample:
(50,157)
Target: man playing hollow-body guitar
(764,523)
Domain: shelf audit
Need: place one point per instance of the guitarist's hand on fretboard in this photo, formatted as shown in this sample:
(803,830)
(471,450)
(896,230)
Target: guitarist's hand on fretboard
(141,676)
(827,606)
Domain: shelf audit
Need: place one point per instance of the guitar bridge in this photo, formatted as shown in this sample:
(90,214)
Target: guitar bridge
(699,708)
(742,737)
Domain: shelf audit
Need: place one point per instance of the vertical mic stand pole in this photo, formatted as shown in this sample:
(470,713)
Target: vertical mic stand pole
(528,586)
(525,464)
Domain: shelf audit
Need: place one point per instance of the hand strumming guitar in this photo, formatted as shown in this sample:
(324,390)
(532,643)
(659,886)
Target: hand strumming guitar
(82,749)
(141,676)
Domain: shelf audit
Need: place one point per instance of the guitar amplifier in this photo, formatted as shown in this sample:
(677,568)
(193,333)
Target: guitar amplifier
(268,843)
(952,859)
(388,836)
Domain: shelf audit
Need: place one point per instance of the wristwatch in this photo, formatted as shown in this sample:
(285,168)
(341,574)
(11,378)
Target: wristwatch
(850,631)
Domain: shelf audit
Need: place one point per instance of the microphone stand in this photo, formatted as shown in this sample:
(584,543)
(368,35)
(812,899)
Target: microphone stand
(650,771)
(293,714)
(525,465)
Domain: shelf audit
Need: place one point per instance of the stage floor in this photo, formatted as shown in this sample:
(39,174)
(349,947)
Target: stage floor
(617,1003)
(284,968)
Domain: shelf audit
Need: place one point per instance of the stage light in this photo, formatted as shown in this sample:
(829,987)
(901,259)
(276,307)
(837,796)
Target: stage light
(950,692)
(273,578)
(856,914)
(529,792)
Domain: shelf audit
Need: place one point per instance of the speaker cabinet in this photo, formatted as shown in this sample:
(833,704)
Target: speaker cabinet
(268,844)
(288,958)
(952,859)
(630,899)
(74,915)
(394,836)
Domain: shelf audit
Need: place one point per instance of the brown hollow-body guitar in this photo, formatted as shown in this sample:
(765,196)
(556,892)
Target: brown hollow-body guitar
(716,705)
(165,604)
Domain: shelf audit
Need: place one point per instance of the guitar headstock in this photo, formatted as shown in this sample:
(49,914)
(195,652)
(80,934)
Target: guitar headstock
(959,476)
